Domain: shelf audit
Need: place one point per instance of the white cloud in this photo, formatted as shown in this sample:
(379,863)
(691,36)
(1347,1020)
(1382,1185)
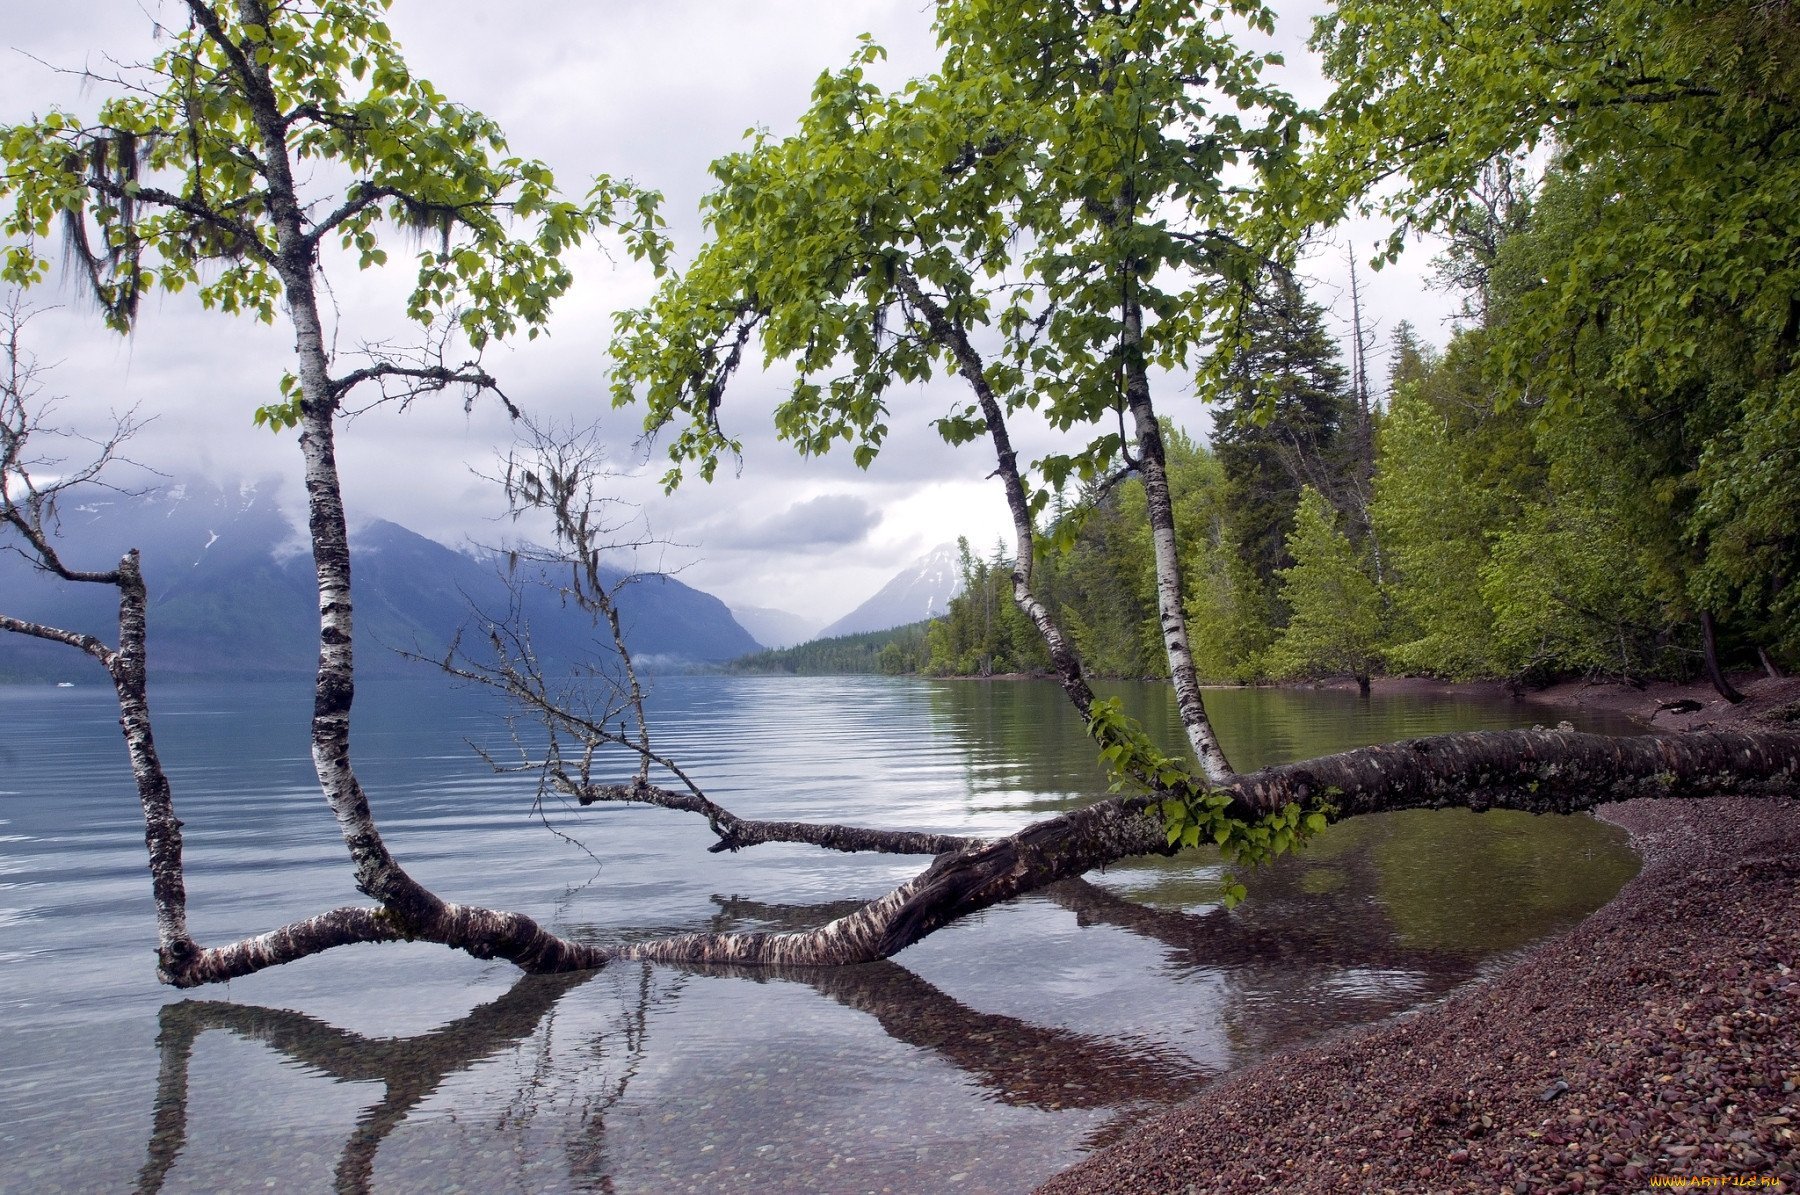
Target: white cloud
(651,89)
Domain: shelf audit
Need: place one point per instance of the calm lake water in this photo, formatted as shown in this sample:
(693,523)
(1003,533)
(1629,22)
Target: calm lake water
(983,1059)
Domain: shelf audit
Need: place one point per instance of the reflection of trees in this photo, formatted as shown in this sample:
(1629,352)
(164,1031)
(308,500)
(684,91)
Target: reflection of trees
(998,730)
(1022,1064)
(1016,1062)
(1275,955)
(1305,937)
(1380,914)
(1277,958)
(409,1068)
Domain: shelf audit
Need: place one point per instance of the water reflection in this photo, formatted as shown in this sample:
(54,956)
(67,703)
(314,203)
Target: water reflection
(1013,1061)
(998,1049)
(1026,737)
(1300,957)
(410,1069)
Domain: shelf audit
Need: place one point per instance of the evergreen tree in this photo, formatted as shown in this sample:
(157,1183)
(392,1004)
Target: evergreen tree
(1453,473)
(1279,432)
(1335,610)
(983,632)
(897,651)
(1652,275)
(1409,358)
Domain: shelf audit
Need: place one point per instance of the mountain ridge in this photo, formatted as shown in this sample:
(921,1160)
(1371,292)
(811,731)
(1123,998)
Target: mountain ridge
(228,600)
(921,590)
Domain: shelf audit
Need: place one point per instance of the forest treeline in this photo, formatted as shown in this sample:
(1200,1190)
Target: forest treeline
(897,651)
(1469,521)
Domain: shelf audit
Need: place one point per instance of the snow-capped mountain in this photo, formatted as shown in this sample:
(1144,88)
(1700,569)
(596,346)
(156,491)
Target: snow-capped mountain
(922,589)
(232,593)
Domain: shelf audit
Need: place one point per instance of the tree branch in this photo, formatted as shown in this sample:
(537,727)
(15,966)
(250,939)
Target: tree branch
(38,630)
(736,833)
(1532,771)
(243,236)
(427,379)
(367,194)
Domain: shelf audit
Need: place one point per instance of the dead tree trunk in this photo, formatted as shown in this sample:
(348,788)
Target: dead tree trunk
(1535,771)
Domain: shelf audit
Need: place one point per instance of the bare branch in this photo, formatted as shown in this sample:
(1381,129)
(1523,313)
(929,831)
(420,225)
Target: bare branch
(736,833)
(38,630)
(28,504)
(420,380)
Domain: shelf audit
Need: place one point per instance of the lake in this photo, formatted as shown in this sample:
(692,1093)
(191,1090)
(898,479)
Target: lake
(983,1059)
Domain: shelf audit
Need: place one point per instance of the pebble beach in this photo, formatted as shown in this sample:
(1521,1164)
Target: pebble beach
(1654,1047)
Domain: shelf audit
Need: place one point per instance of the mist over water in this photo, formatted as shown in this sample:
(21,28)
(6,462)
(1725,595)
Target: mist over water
(988,1056)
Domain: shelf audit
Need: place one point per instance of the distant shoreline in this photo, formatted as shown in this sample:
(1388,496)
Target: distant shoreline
(1642,705)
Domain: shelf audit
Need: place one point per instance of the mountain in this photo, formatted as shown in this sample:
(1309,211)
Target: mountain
(774,628)
(922,589)
(232,594)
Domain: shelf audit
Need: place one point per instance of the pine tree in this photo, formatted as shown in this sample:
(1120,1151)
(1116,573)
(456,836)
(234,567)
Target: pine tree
(1286,405)
(1335,610)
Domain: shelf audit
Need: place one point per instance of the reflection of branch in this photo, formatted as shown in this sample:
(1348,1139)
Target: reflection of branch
(1021,1063)
(411,1069)
(168,1126)
(588,1165)
(1218,938)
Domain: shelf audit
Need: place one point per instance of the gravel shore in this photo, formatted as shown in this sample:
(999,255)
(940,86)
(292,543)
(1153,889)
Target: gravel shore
(1655,1045)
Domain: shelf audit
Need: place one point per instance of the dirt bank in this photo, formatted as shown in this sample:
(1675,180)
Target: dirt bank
(1662,705)
(1658,1041)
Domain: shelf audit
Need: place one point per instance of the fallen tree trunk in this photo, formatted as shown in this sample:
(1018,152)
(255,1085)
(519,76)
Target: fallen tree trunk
(1530,770)
(1533,771)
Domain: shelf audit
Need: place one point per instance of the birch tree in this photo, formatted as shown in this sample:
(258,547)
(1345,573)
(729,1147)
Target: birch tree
(192,176)
(1045,219)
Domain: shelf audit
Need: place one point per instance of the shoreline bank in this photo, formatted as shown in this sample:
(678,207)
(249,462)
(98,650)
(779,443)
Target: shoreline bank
(1663,706)
(1657,1041)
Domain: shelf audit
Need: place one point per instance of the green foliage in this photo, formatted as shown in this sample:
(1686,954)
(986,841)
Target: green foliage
(1561,601)
(1335,611)
(984,632)
(1103,585)
(1228,618)
(1280,431)
(869,246)
(1645,298)
(1451,471)
(174,183)
(1747,514)
(1098,573)
(1192,813)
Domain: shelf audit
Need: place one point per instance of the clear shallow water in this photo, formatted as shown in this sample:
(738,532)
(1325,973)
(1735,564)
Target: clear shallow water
(983,1059)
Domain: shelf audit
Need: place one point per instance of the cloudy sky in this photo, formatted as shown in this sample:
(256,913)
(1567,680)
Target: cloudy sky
(649,89)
